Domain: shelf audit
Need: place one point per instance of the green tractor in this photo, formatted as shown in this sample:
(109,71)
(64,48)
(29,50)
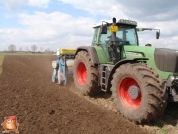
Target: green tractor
(142,79)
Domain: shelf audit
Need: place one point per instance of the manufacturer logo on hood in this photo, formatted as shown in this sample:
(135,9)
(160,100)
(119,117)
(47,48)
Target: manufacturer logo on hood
(133,54)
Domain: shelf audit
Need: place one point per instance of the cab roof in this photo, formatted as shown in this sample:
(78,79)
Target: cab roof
(121,21)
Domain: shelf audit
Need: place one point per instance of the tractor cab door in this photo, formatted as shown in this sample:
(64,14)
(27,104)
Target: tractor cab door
(125,35)
(105,43)
(101,41)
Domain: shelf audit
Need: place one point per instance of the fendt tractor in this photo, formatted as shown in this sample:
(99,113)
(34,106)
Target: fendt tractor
(142,79)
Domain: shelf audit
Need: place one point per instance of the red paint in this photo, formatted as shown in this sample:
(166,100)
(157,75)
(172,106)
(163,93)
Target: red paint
(123,93)
(82,73)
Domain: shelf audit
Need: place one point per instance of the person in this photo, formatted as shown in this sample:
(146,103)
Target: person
(112,48)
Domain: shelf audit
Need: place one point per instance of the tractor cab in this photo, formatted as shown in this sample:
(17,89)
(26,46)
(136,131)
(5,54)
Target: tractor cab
(111,37)
(123,32)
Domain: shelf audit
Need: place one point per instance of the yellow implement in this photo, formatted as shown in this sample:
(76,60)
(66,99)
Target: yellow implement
(67,51)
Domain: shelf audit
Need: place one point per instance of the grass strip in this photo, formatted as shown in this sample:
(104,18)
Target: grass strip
(1,61)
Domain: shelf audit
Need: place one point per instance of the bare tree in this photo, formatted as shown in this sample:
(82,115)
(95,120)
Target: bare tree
(34,48)
(47,50)
(5,50)
(41,49)
(12,48)
(26,49)
(20,49)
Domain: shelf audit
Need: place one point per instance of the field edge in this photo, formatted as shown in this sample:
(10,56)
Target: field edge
(1,61)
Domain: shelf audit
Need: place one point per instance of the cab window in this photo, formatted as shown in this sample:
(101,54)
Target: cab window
(95,36)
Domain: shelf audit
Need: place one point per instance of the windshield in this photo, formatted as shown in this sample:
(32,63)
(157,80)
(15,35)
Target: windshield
(125,34)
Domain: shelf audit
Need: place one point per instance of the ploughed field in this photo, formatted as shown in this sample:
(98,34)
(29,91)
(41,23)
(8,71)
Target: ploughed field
(41,107)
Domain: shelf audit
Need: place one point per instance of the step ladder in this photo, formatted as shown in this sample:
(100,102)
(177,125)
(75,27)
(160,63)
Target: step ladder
(103,79)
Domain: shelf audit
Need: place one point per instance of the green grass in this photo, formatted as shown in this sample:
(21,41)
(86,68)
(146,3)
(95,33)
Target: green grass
(161,130)
(160,127)
(1,60)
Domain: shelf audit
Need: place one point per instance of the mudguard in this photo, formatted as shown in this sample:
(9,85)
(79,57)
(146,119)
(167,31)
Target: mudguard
(92,52)
(124,61)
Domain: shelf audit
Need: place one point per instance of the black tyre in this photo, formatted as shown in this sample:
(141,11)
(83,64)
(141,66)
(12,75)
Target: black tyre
(139,92)
(85,74)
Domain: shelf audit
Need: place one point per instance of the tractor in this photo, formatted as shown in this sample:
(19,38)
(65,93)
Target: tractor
(142,79)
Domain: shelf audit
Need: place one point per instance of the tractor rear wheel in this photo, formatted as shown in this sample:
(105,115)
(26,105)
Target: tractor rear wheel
(139,92)
(85,74)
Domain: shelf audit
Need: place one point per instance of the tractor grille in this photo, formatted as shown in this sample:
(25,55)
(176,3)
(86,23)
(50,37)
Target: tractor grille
(166,59)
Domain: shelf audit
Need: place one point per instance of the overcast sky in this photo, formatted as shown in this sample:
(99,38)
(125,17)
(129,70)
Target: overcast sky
(68,23)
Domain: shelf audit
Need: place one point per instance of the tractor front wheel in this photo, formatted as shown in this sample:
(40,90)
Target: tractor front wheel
(85,74)
(139,92)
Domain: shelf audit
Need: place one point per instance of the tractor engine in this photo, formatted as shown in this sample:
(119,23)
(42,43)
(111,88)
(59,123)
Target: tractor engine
(167,60)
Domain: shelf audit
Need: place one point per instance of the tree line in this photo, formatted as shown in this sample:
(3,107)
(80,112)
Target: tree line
(12,49)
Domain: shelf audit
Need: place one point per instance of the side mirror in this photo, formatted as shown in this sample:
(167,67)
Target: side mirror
(157,34)
(104,28)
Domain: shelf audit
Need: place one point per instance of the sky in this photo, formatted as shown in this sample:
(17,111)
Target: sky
(52,24)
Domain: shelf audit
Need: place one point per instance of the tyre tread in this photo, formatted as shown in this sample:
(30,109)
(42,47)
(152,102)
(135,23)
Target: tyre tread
(153,86)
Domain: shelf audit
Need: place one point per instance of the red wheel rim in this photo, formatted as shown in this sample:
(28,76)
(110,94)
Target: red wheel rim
(82,73)
(123,93)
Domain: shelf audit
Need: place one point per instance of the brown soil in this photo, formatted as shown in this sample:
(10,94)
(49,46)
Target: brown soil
(27,92)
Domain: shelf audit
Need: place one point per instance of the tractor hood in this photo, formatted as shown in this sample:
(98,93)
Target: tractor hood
(166,59)
(163,60)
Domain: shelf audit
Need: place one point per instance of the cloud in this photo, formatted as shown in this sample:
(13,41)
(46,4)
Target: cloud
(150,10)
(168,34)
(109,8)
(57,29)
(39,3)
(51,30)
(56,24)
(14,5)
(138,9)
(152,14)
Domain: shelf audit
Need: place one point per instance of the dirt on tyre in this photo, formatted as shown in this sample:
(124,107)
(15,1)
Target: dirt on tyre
(139,92)
(85,74)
